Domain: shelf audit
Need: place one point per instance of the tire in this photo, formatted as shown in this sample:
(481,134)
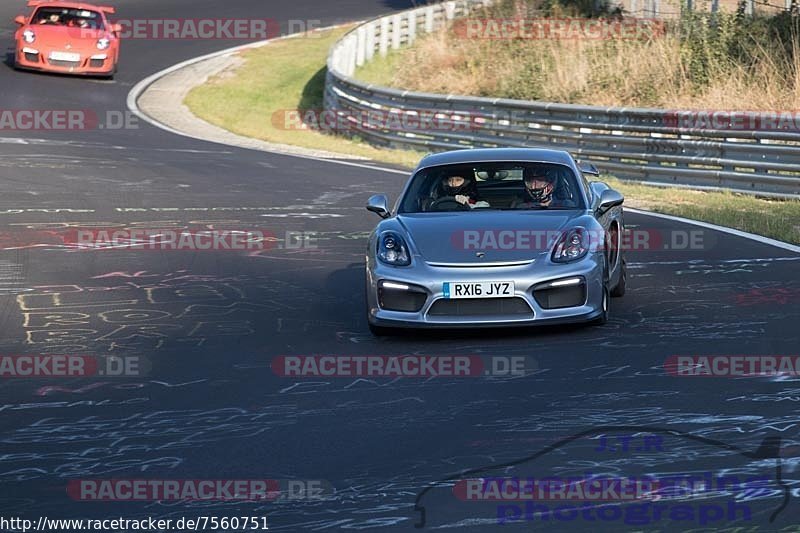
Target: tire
(603,318)
(619,290)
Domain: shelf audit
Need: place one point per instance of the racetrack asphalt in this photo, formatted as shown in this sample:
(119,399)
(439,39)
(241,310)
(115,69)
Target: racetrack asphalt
(210,323)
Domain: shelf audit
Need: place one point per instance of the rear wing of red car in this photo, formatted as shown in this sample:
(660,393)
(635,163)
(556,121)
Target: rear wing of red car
(37,3)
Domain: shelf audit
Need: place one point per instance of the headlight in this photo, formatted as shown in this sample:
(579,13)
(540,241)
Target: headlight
(573,245)
(392,249)
(103,43)
(28,36)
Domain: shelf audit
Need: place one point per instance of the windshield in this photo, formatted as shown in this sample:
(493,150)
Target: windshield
(481,186)
(72,18)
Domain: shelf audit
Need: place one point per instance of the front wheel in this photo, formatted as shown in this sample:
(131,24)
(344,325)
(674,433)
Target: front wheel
(603,318)
(619,289)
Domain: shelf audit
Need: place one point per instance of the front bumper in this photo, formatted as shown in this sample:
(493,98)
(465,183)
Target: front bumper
(97,64)
(522,310)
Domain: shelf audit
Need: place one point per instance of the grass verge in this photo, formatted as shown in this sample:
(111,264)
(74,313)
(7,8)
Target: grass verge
(256,99)
(697,62)
(290,74)
(777,219)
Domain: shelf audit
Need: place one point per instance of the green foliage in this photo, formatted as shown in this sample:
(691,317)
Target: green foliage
(714,43)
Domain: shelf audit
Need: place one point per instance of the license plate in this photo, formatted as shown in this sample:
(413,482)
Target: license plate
(65,56)
(478,289)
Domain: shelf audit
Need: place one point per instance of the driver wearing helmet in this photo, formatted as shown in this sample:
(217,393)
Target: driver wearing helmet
(53,18)
(461,187)
(539,189)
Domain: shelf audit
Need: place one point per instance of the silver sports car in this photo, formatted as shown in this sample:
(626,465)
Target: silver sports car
(495,237)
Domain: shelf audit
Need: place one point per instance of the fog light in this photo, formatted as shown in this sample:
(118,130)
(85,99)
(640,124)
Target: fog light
(567,292)
(393,296)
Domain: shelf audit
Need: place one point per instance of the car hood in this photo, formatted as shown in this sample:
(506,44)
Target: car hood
(60,36)
(503,236)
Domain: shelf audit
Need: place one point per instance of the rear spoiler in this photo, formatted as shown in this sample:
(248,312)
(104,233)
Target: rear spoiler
(36,3)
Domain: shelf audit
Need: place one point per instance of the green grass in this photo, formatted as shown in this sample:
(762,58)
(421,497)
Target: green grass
(381,70)
(290,74)
(778,219)
(282,76)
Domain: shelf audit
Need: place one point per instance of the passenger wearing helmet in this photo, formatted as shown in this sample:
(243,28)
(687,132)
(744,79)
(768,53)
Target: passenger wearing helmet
(459,186)
(540,186)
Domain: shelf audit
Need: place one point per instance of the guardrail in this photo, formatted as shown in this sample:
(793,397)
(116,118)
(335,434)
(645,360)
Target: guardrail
(634,143)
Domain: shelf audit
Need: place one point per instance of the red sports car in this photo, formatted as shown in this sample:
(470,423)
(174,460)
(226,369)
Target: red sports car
(68,37)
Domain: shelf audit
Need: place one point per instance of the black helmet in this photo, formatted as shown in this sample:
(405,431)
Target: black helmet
(539,185)
(465,187)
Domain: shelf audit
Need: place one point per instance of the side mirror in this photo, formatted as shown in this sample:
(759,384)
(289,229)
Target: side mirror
(608,199)
(379,204)
(116,29)
(588,168)
(21,20)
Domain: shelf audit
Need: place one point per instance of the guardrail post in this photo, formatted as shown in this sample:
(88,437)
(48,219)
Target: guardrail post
(412,26)
(384,46)
(352,52)
(361,36)
(429,14)
(370,42)
(397,23)
(450,10)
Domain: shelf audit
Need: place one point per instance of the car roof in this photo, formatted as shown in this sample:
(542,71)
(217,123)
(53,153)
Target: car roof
(69,5)
(484,155)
